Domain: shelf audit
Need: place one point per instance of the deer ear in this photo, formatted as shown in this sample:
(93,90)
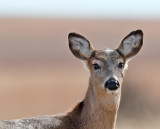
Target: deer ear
(131,44)
(80,46)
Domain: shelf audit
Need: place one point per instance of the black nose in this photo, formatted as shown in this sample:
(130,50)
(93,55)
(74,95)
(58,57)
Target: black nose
(112,84)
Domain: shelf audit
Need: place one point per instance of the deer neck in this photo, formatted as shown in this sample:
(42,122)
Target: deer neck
(99,108)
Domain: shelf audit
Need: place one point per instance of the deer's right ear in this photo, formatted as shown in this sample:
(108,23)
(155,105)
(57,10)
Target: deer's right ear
(80,46)
(131,44)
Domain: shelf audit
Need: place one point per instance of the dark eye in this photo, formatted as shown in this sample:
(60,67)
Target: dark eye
(121,65)
(96,66)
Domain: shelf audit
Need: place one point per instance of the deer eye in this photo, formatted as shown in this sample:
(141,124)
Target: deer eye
(120,65)
(96,66)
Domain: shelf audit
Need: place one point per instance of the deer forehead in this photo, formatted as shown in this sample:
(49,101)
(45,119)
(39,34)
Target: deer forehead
(102,56)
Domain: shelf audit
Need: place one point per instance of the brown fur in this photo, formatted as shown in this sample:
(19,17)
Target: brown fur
(99,108)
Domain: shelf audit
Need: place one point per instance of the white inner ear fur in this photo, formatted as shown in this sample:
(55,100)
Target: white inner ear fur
(81,45)
(126,65)
(85,64)
(131,42)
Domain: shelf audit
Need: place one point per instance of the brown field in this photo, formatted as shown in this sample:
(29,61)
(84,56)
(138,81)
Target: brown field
(40,76)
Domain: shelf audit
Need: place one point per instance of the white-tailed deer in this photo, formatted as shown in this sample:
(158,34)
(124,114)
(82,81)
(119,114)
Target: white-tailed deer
(99,108)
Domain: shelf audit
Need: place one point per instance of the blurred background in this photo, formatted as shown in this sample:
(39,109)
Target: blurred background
(40,76)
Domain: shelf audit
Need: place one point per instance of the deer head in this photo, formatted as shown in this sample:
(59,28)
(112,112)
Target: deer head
(107,67)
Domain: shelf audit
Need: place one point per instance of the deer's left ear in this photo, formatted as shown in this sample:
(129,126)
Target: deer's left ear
(80,46)
(131,44)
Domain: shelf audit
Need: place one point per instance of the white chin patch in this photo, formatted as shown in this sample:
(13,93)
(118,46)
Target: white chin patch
(112,91)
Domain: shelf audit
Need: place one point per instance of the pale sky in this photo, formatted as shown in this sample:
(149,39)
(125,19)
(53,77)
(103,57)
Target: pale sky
(142,9)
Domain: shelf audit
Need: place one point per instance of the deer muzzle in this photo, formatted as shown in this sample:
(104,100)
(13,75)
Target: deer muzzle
(112,84)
